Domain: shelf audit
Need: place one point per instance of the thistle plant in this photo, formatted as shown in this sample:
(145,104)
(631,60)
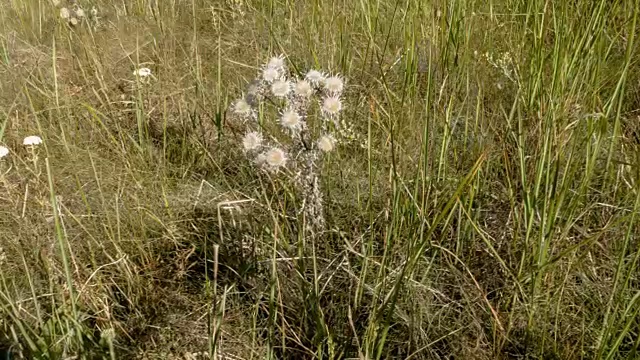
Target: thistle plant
(291,122)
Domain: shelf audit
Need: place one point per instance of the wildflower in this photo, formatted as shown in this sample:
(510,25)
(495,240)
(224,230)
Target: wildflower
(64,13)
(73,21)
(55,2)
(315,77)
(291,120)
(332,105)
(276,62)
(3,151)
(281,88)
(32,140)
(326,143)
(303,89)
(275,158)
(270,74)
(242,108)
(142,72)
(334,84)
(252,141)
(79,12)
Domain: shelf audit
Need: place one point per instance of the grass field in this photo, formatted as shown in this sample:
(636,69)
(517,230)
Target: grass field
(482,200)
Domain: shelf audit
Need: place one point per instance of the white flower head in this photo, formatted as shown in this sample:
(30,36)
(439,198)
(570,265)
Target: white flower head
(275,158)
(79,12)
(4,151)
(241,107)
(281,88)
(332,105)
(73,21)
(303,89)
(142,72)
(32,140)
(64,13)
(334,84)
(276,62)
(326,143)
(270,74)
(252,141)
(291,120)
(315,77)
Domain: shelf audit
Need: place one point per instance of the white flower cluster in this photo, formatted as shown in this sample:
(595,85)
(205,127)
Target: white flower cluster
(29,141)
(75,15)
(294,96)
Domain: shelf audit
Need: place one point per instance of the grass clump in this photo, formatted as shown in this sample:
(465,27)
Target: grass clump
(482,202)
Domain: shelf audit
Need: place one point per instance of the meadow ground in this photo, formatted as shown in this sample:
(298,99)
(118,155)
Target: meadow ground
(481,201)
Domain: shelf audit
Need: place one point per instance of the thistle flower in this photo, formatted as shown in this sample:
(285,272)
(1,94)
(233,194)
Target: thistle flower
(275,158)
(332,105)
(79,12)
(64,13)
(276,62)
(32,140)
(142,72)
(242,108)
(252,141)
(315,77)
(291,120)
(270,74)
(281,88)
(334,84)
(3,151)
(303,89)
(326,143)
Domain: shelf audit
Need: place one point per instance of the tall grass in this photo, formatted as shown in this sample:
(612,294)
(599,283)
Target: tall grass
(486,206)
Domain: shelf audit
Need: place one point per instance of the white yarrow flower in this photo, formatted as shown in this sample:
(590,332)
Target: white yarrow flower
(315,77)
(270,74)
(64,13)
(303,89)
(276,62)
(32,140)
(291,120)
(3,151)
(281,88)
(142,72)
(334,84)
(275,157)
(252,141)
(242,108)
(326,143)
(79,13)
(332,105)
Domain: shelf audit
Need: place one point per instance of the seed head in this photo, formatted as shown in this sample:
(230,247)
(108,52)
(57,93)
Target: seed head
(276,62)
(326,143)
(334,84)
(4,151)
(64,13)
(332,105)
(252,141)
(242,108)
(281,88)
(79,12)
(275,158)
(270,74)
(291,120)
(303,89)
(315,77)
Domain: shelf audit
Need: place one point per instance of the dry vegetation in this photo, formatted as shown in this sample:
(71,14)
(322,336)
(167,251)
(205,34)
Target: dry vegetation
(486,208)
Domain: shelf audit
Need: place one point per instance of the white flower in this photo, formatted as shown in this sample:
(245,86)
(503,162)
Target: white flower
(291,120)
(334,84)
(332,105)
(242,108)
(3,151)
(73,21)
(142,72)
(281,88)
(79,13)
(276,62)
(252,141)
(64,13)
(270,74)
(326,143)
(32,140)
(275,157)
(315,77)
(303,89)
